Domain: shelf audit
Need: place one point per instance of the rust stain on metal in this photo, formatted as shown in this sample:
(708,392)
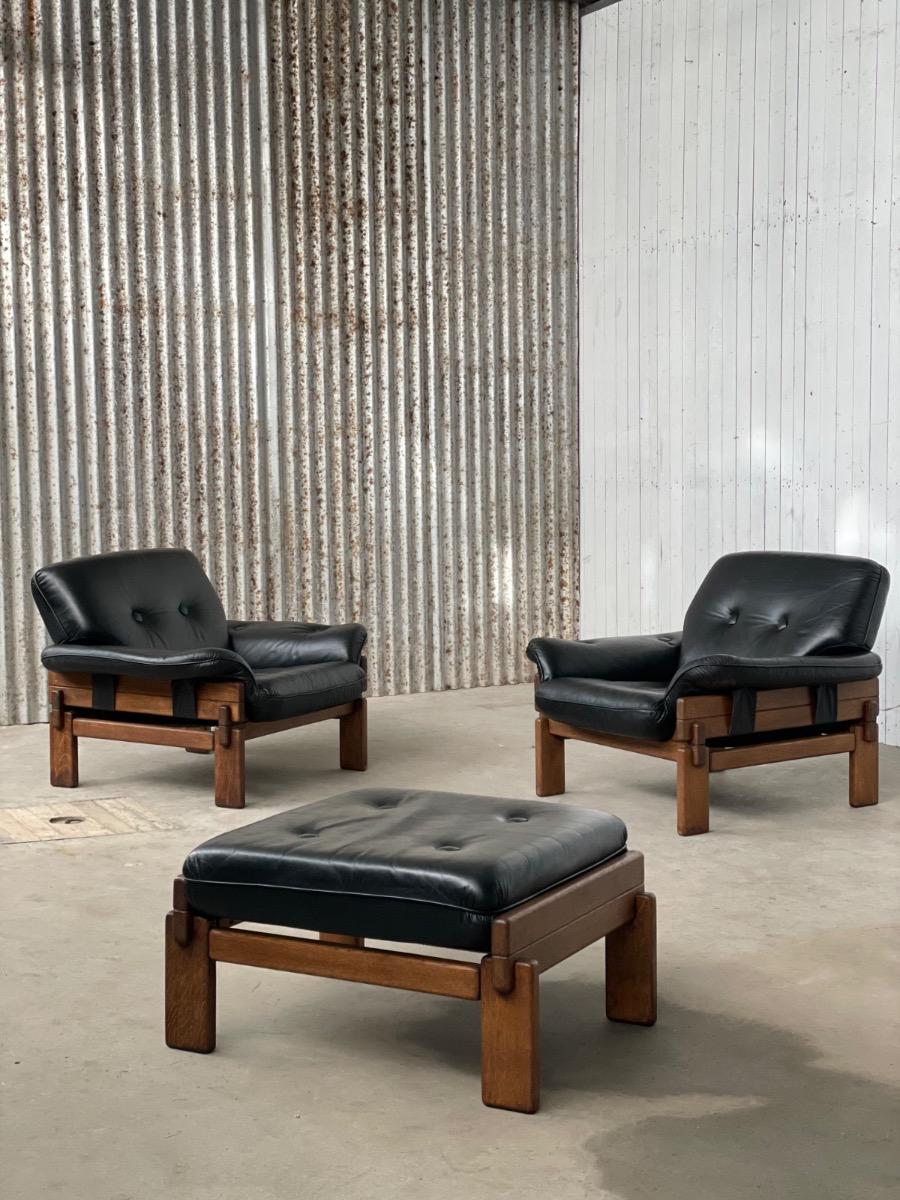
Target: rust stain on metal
(293,283)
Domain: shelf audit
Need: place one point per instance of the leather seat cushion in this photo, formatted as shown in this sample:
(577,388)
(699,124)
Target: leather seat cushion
(620,707)
(398,864)
(280,692)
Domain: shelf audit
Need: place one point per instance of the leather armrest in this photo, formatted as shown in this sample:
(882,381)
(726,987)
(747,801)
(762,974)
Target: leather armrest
(650,657)
(203,662)
(725,672)
(295,644)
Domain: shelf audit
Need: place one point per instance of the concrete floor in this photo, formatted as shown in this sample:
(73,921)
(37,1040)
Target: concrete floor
(772,1071)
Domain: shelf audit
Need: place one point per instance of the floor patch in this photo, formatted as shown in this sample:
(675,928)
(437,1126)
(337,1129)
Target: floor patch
(76,819)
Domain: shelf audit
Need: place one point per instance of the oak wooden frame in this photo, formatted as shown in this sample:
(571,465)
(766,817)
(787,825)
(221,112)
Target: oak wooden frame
(608,902)
(701,744)
(221,727)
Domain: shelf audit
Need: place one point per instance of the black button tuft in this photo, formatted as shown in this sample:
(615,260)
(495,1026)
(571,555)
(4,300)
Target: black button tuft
(184,610)
(138,616)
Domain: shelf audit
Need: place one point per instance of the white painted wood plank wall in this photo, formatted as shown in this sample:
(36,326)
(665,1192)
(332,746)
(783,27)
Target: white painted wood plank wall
(740,297)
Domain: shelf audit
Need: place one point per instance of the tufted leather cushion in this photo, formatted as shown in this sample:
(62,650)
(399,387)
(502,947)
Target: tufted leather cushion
(141,598)
(765,604)
(398,864)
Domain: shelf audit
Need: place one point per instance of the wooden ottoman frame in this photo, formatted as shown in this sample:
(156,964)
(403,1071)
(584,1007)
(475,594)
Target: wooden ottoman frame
(608,902)
(784,729)
(220,727)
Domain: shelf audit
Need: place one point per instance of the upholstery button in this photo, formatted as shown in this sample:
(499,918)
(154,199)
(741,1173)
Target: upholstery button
(448,847)
(307,835)
(517,818)
(138,616)
(183,609)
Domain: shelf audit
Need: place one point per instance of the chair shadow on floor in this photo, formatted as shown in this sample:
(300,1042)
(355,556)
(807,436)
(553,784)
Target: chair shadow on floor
(701,1107)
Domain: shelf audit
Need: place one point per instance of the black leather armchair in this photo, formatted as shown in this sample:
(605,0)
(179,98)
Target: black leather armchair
(775,662)
(142,652)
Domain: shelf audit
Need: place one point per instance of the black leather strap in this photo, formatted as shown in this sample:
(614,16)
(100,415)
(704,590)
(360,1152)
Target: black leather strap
(743,711)
(826,704)
(103,692)
(184,699)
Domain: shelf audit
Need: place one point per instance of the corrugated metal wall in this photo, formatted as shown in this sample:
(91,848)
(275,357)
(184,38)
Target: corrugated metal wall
(295,285)
(740,297)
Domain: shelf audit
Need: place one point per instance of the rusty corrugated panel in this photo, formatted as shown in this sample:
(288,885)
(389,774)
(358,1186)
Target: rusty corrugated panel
(294,285)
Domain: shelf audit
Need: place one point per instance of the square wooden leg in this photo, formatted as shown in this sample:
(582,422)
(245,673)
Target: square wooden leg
(230,773)
(190,986)
(631,966)
(63,752)
(549,760)
(692,794)
(354,739)
(510,1060)
(864,768)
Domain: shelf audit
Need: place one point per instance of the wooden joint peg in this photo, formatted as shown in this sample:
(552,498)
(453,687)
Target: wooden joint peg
(57,712)
(870,721)
(699,752)
(223,731)
(503,974)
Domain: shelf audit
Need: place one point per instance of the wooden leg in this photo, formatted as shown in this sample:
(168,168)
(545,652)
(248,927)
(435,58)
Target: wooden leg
(190,986)
(230,780)
(63,753)
(864,769)
(354,739)
(510,1067)
(692,795)
(549,760)
(342,939)
(631,966)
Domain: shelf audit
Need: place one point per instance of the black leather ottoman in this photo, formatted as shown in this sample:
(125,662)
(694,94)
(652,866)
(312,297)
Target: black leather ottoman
(524,882)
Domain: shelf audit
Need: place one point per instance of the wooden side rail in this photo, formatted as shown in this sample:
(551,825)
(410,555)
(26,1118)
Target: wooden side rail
(386,968)
(776,708)
(256,729)
(726,758)
(513,931)
(151,697)
(151,735)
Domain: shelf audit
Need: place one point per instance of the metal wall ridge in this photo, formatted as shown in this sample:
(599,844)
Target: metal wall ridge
(294,284)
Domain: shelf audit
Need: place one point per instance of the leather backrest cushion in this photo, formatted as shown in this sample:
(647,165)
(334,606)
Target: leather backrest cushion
(159,598)
(766,604)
